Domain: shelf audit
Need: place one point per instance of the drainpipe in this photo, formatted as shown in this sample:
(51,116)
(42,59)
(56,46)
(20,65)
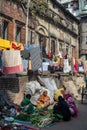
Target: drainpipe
(27,19)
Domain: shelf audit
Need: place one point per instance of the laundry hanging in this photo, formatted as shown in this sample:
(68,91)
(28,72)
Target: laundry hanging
(36,61)
(4,44)
(16,46)
(12,62)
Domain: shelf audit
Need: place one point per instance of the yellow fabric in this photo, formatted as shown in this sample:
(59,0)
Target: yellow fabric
(2,48)
(58,93)
(43,100)
(53,56)
(79,60)
(58,60)
(4,44)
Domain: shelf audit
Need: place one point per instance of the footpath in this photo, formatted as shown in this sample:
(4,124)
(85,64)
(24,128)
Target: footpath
(79,123)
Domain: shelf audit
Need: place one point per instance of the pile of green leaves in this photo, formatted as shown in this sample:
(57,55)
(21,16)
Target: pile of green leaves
(23,117)
(36,118)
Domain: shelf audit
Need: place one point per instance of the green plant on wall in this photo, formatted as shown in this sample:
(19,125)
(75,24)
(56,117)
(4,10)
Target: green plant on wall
(38,6)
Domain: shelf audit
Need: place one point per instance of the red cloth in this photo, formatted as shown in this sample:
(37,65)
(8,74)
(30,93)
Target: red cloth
(49,54)
(13,70)
(76,67)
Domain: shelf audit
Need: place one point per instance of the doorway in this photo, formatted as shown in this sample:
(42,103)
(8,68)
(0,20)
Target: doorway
(42,43)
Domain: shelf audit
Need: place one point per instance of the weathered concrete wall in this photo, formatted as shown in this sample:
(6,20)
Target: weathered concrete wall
(74,84)
(13,87)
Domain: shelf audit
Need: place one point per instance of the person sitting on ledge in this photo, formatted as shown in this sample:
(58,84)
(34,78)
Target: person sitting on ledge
(70,101)
(43,100)
(26,105)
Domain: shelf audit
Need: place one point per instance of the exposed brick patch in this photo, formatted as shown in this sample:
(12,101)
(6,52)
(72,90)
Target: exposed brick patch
(10,31)
(23,35)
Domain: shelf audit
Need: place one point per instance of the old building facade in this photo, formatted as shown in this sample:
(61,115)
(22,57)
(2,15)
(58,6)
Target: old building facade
(79,9)
(13,21)
(83,28)
(52,26)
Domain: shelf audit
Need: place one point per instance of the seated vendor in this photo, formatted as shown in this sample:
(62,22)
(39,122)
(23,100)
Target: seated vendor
(43,100)
(61,109)
(70,101)
(26,105)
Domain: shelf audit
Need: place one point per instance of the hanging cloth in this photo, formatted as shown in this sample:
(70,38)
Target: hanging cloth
(4,44)
(76,68)
(12,62)
(16,46)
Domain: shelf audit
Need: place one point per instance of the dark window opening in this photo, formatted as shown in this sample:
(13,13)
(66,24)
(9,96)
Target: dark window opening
(67,50)
(60,47)
(75,5)
(54,6)
(18,34)
(42,43)
(31,37)
(85,2)
(5,30)
(86,39)
(53,47)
